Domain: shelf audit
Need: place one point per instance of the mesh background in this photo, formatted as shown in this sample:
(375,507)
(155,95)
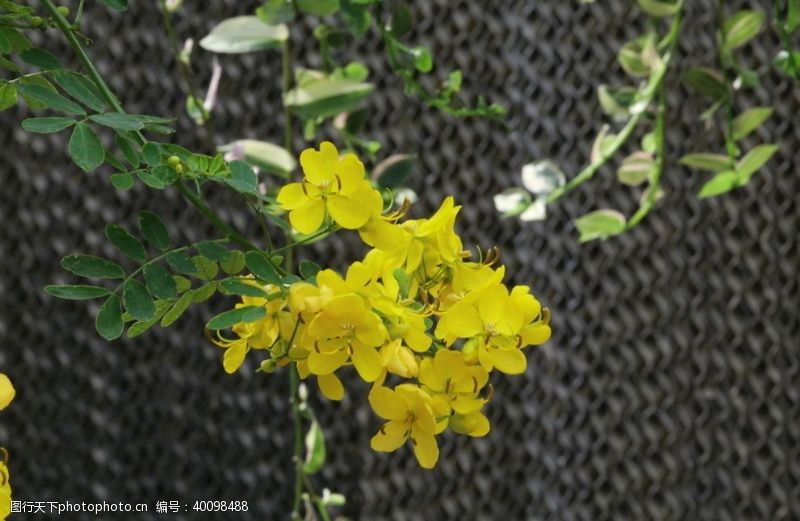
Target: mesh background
(671,386)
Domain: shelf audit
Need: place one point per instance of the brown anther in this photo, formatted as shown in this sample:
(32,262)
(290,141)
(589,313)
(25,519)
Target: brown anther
(383,429)
(303,186)
(474,385)
(316,346)
(413,442)
(519,341)
(489,396)
(338,181)
(546,315)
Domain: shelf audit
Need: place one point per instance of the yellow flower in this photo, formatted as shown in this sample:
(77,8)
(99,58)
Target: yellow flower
(260,334)
(332,185)
(448,375)
(5,486)
(7,391)
(345,329)
(497,321)
(474,424)
(411,414)
(399,360)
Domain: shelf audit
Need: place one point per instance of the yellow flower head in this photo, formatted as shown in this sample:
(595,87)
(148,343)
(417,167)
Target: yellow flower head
(7,391)
(448,375)
(411,414)
(331,186)
(346,329)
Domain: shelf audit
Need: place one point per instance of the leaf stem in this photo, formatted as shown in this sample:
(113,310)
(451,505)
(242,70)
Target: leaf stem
(65,27)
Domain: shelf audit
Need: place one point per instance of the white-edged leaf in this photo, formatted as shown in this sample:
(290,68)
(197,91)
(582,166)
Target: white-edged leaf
(243,34)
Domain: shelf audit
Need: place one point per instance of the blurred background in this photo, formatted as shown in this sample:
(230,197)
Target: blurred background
(670,388)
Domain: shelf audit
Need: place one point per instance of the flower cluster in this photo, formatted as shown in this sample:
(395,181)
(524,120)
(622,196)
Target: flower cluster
(416,317)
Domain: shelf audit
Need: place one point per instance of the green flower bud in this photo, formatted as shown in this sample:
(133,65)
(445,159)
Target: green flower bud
(173,161)
(268,366)
(63,10)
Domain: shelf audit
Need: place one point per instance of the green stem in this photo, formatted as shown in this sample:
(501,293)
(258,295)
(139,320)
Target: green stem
(186,75)
(610,150)
(652,192)
(297,458)
(65,27)
(289,247)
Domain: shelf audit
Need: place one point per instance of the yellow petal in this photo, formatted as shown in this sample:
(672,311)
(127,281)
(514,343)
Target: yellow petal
(535,334)
(389,438)
(388,404)
(425,449)
(429,377)
(234,357)
(417,340)
(347,212)
(326,363)
(414,255)
(291,196)
(308,217)
(464,405)
(319,167)
(372,332)
(331,386)
(367,361)
(350,171)
(474,424)
(7,391)
(509,361)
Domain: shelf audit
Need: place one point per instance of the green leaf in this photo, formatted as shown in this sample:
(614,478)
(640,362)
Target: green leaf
(708,82)
(616,101)
(754,160)
(117,5)
(77,292)
(275,12)
(128,150)
(308,270)
(204,292)
(109,320)
(719,184)
(212,250)
(600,224)
(118,121)
(47,125)
(90,266)
(126,243)
(403,281)
(238,287)
(8,96)
(636,168)
(318,7)
(206,269)
(748,121)
(181,263)
(154,230)
(315,449)
(85,149)
(122,181)
(159,177)
(152,154)
(137,300)
(139,327)
(49,99)
(19,42)
(659,8)
(242,178)
(177,309)
(260,266)
(40,58)
(394,171)
(234,263)
(159,282)
(244,34)
(792,15)
(234,316)
(266,156)
(706,161)
(5,45)
(81,89)
(423,60)
(741,28)
(326,98)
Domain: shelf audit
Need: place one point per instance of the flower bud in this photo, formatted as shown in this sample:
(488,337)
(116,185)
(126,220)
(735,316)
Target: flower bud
(470,351)
(268,366)
(173,161)
(63,10)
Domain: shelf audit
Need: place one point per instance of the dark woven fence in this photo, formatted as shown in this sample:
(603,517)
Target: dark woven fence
(670,389)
